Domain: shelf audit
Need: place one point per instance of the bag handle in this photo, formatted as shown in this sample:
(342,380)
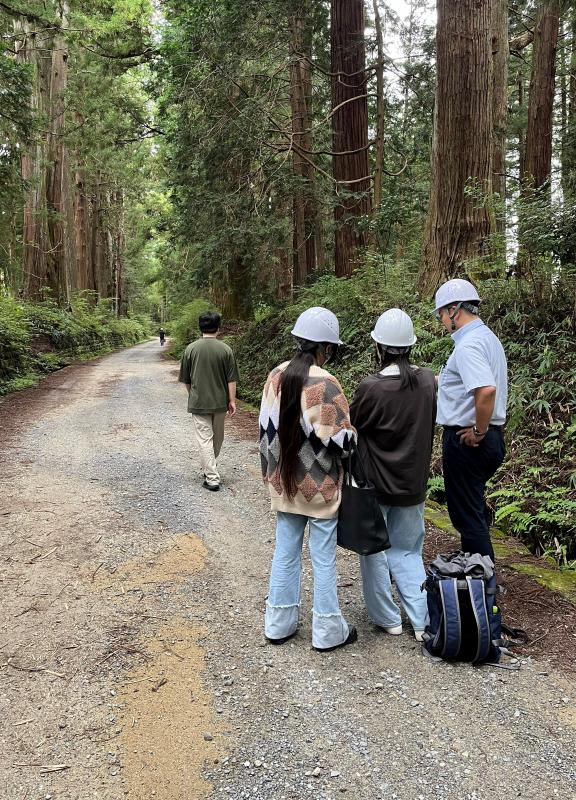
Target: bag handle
(347,464)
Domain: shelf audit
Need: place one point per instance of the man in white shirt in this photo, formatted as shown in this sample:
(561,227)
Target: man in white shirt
(472,397)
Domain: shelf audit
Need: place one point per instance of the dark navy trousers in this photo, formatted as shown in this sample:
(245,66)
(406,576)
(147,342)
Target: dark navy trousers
(466,472)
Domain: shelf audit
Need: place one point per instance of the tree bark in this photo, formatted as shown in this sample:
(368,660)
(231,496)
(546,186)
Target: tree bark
(458,225)
(238,300)
(34,228)
(569,133)
(84,271)
(500,54)
(538,148)
(380,109)
(60,247)
(304,206)
(48,240)
(349,132)
(569,138)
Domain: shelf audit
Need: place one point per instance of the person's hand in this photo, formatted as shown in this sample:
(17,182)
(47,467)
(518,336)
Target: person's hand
(232,407)
(468,437)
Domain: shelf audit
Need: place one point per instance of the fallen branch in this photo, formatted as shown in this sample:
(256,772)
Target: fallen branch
(529,644)
(44,768)
(41,556)
(35,669)
(113,653)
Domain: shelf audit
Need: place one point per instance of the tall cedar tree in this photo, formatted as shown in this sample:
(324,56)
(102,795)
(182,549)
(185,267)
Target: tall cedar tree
(304,206)
(349,132)
(500,56)
(458,227)
(538,148)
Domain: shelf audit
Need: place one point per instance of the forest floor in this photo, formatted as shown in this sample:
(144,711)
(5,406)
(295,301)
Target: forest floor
(132,659)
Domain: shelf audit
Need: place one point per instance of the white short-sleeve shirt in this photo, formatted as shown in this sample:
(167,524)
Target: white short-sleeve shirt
(477,360)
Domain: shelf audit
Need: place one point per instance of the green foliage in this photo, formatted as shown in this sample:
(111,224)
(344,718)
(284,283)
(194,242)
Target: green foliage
(36,338)
(357,302)
(183,327)
(15,337)
(436,490)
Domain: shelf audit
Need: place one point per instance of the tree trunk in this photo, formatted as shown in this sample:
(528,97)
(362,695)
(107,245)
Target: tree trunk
(349,132)
(569,137)
(239,301)
(34,228)
(538,148)
(120,305)
(304,211)
(458,225)
(500,56)
(521,132)
(60,249)
(48,241)
(380,109)
(84,271)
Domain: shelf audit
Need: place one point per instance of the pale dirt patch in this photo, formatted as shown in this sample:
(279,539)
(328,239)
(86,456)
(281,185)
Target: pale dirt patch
(186,555)
(167,713)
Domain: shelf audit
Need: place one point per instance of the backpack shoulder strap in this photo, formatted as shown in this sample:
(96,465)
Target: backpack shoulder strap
(451,623)
(476,588)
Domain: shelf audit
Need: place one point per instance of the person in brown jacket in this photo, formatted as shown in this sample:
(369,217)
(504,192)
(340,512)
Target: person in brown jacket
(394,412)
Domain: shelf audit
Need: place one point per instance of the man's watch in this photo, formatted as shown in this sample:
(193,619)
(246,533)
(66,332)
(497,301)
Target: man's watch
(477,432)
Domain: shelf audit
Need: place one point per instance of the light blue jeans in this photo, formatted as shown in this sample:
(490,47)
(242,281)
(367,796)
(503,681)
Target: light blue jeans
(329,628)
(403,562)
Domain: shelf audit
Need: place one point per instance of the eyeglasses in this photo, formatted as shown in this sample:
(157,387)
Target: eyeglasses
(456,307)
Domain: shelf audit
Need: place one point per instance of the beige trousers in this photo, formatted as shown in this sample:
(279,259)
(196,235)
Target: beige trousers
(209,430)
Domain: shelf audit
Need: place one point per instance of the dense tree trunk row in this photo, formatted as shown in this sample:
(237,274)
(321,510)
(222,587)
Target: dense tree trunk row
(70,240)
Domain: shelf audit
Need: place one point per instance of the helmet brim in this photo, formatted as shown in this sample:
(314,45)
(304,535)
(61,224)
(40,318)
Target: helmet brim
(298,335)
(390,344)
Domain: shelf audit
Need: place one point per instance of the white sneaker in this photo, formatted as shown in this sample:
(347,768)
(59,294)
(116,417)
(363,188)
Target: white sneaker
(395,631)
(419,636)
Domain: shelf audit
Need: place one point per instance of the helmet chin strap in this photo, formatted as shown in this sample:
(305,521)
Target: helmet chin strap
(452,316)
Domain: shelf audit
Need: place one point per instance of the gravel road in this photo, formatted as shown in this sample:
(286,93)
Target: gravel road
(133,662)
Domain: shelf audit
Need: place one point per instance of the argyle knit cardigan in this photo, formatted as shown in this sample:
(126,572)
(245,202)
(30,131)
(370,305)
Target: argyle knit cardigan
(326,435)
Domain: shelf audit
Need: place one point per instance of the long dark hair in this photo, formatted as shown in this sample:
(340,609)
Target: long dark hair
(290,433)
(408,379)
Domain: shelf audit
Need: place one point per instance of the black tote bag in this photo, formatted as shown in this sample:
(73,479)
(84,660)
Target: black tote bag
(361,526)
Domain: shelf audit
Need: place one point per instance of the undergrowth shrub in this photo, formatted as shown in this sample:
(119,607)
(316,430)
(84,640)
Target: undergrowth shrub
(37,338)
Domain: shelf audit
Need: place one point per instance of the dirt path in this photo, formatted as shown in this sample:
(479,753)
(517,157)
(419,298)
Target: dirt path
(132,661)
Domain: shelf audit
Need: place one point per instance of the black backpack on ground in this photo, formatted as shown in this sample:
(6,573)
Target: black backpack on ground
(465,620)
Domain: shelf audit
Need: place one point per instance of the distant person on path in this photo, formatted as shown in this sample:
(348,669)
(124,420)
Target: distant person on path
(208,369)
(304,430)
(394,412)
(162,335)
(472,396)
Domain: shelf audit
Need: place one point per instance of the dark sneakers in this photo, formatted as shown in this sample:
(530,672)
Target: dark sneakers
(212,487)
(352,637)
(284,638)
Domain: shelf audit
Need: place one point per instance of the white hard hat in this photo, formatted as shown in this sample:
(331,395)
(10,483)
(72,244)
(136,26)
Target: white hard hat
(317,324)
(394,328)
(455,291)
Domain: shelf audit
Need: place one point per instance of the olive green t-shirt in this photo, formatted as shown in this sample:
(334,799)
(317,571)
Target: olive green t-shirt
(208,365)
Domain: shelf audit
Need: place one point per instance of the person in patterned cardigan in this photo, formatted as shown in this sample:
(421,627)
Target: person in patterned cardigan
(304,431)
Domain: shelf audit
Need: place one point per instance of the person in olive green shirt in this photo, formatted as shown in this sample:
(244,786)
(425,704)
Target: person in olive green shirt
(208,368)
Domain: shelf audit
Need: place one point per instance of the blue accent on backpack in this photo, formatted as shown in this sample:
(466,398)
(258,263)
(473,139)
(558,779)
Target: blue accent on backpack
(465,621)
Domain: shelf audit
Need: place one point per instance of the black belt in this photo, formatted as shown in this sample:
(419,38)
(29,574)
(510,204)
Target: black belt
(461,427)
